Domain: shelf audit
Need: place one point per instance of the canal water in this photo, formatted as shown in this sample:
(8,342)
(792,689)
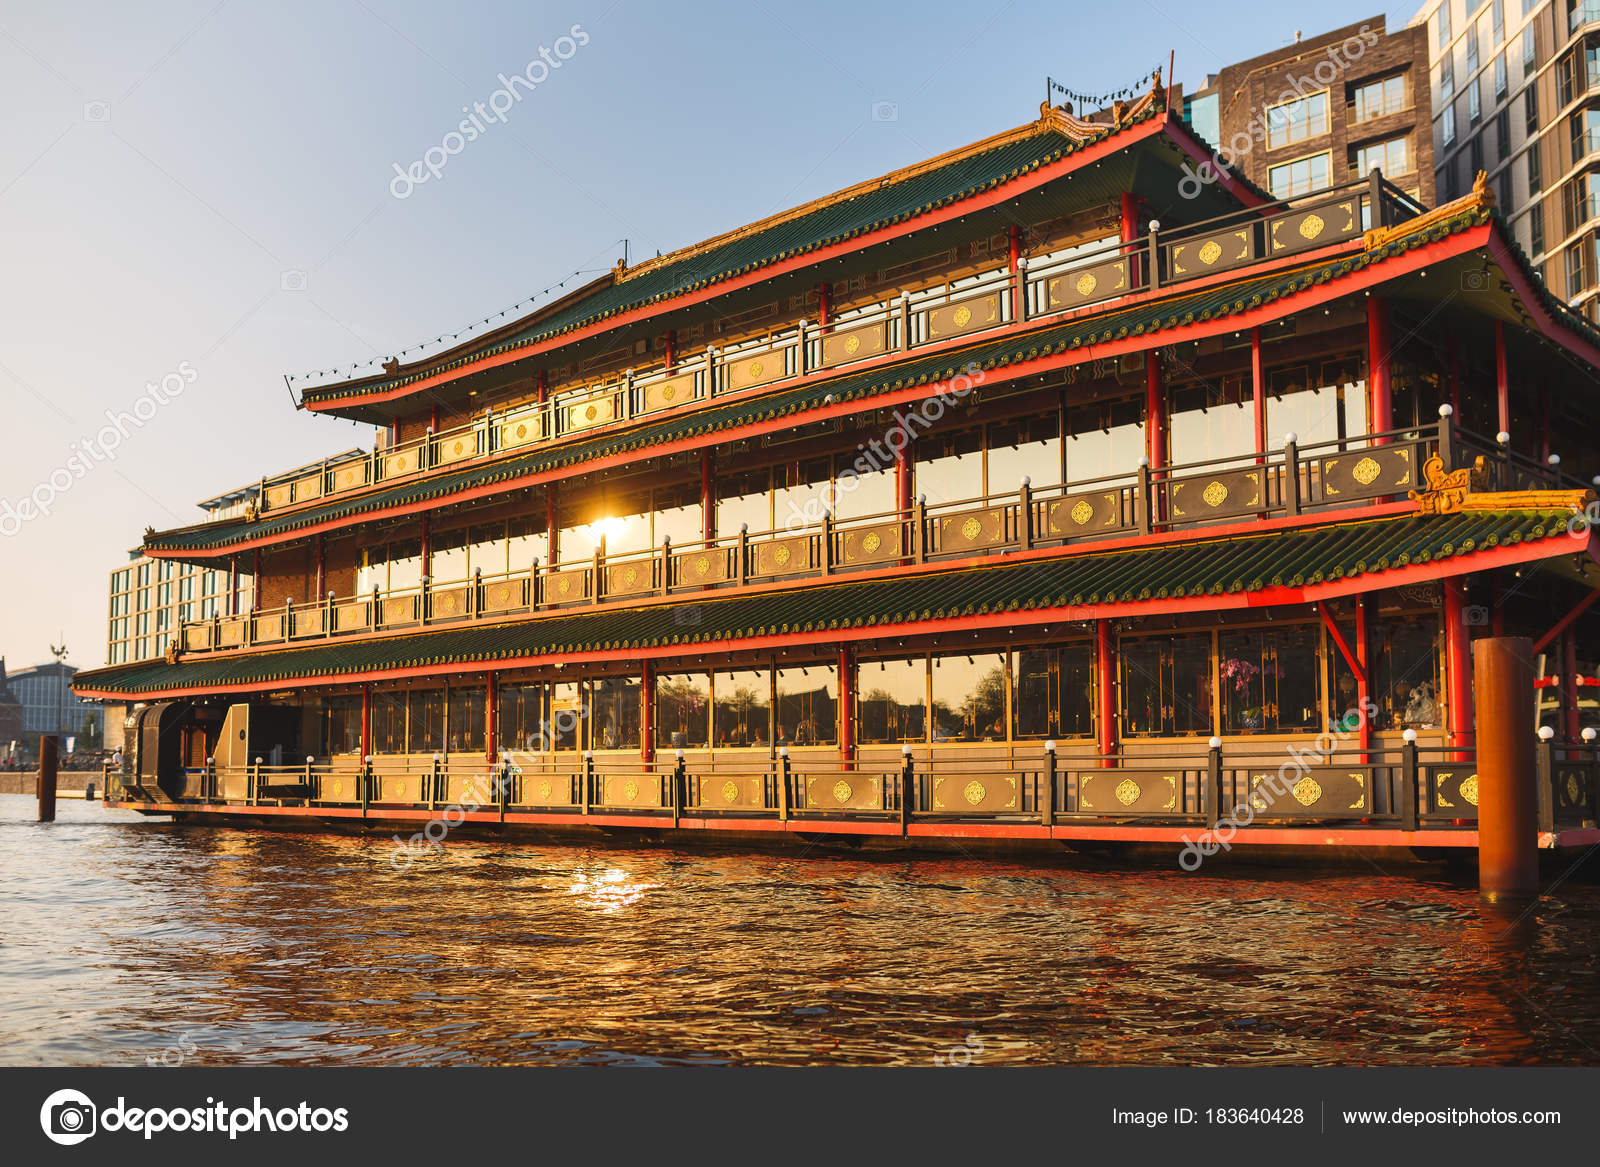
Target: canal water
(125,941)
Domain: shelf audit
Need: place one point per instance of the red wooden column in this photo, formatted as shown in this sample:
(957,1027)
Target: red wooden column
(1380,414)
(647,712)
(491,718)
(1013,255)
(427,548)
(708,498)
(1458,669)
(1502,380)
(1258,392)
(824,305)
(670,354)
(1155,412)
(1569,686)
(551,538)
(1105,659)
(366,722)
(1364,681)
(1129,221)
(1508,832)
(322,570)
(847,705)
(233,585)
(255,580)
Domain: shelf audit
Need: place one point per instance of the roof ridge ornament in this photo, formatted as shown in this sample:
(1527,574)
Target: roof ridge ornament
(1480,197)
(1450,492)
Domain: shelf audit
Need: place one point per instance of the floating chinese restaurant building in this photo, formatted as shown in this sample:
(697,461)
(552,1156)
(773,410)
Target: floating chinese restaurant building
(1010,496)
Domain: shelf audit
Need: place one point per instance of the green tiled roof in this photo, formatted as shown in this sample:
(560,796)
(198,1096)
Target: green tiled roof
(1297,558)
(1145,319)
(885,206)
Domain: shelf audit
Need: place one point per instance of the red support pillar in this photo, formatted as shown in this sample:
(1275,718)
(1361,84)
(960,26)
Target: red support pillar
(366,722)
(1105,659)
(824,305)
(1155,412)
(847,705)
(255,580)
(1569,686)
(1381,411)
(1364,681)
(1502,380)
(647,713)
(322,569)
(1458,669)
(1129,223)
(544,386)
(670,356)
(708,498)
(427,548)
(491,718)
(1508,833)
(1258,392)
(552,537)
(233,585)
(1013,255)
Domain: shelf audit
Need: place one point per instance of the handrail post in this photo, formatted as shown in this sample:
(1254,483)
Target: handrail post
(474,603)
(1022,289)
(365,780)
(1375,198)
(1291,475)
(288,620)
(210,792)
(1446,451)
(744,553)
(1409,773)
(1144,504)
(327,617)
(1153,256)
(587,780)
(800,349)
(908,789)
(827,543)
(596,588)
(666,566)
(679,774)
(1047,800)
(1025,514)
(433,783)
(905,321)
(783,784)
(1546,757)
(919,529)
(1213,798)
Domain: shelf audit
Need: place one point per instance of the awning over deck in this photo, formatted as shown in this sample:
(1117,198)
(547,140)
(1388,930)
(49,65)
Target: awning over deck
(1163,573)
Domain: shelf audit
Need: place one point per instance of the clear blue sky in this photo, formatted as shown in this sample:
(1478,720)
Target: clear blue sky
(203,189)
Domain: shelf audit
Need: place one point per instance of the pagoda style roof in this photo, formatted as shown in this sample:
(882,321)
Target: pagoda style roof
(1163,319)
(1283,564)
(850,214)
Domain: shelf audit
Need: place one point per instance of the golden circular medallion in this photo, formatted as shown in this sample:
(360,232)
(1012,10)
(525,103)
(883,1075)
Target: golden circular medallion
(630,577)
(399,789)
(781,554)
(1311,226)
(872,542)
(1573,788)
(1215,494)
(563,585)
(1307,791)
(1087,283)
(1469,791)
(1366,471)
(522,430)
(851,345)
(841,791)
(459,446)
(962,316)
(1210,252)
(1127,792)
(545,789)
(338,788)
(755,369)
(971,528)
(591,413)
(730,792)
(702,566)
(1082,512)
(974,792)
(669,392)
(631,790)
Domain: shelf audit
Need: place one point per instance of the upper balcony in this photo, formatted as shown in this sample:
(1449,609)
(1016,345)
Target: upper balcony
(993,304)
(1358,471)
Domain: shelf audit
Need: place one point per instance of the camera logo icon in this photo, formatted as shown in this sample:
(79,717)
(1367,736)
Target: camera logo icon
(1475,615)
(885,111)
(292,280)
(1474,281)
(97,111)
(68,1117)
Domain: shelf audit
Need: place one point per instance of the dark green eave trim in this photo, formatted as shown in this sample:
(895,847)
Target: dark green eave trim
(1298,558)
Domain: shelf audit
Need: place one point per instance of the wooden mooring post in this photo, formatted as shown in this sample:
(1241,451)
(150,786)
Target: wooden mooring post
(48,761)
(1508,833)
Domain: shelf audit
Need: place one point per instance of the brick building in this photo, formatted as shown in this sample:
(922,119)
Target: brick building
(1324,111)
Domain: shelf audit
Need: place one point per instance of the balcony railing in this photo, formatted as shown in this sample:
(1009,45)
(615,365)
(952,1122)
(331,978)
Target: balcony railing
(1410,788)
(1292,480)
(987,305)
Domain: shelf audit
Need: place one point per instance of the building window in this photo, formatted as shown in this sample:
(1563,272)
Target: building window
(1536,229)
(1295,121)
(1302,176)
(614,712)
(1475,155)
(893,702)
(1166,686)
(1504,185)
(1472,49)
(1447,124)
(1268,680)
(1535,172)
(1502,135)
(1392,157)
(1052,692)
(1474,103)
(1447,77)
(1442,25)
(741,708)
(1576,281)
(969,698)
(683,710)
(1377,98)
(1497,21)
(1530,50)
(1499,76)
(1530,109)
(808,705)
(1585,130)
(1404,672)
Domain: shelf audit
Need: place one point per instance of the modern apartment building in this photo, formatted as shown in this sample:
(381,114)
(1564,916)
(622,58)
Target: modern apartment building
(1516,94)
(1321,112)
